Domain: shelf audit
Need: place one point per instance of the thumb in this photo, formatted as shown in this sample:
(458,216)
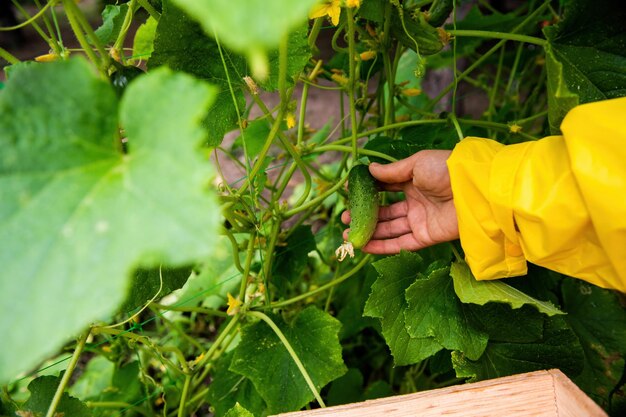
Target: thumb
(395,172)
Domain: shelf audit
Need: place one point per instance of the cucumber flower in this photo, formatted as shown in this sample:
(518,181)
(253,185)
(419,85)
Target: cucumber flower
(330,8)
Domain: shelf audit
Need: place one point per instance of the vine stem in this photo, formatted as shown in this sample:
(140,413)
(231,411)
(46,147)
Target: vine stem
(318,199)
(499,35)
(352,81)
(31,19)
(151,10)
(80,35)
(487,54)
(292,353)
(366,259)
(6,55)
(68,374)
(183,396)
(341,148)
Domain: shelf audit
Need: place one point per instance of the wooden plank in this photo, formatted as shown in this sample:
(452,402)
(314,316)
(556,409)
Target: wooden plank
(538,394)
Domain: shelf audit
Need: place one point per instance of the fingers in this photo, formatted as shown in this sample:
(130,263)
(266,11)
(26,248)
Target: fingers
(395,172)
(393,246)
(394,211)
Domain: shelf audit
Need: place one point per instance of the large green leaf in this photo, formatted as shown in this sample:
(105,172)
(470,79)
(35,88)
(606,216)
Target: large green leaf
(585,56)
(227,389)
(261,357)
(156,283)
(469,290)
(239,411)
(180,44)
(251,28)
(599,321)
(387,301)
(292,258)
(77,215)
(42,391)
(112,21)
(559,348)
(435,311)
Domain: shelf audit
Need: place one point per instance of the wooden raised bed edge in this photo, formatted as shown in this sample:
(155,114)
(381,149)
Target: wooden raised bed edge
(541,393)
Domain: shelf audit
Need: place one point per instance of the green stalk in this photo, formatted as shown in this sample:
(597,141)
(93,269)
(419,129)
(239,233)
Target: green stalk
(486,55)
(317,200)
(29,20)
(67,375)
(183,396)
(7,56)
(246,268)
(315,31)
(55,42)
(34,24)
(82,20)
(352,81)
(70,7)
(518,55)
(494,89)
(347,149)
(118,46)
(116,404)
(292,353)
(499,35)
(208,356)
(366,259)
(151,10)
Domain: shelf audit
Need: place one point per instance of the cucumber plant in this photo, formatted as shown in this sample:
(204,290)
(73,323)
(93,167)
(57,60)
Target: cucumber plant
(171,204)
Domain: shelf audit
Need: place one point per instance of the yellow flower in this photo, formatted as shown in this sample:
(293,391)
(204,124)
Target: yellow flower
(330,8)
(353,3)
(340,79)
(367,55)
(515,128)
(291,120)
(47,57)
(233,305)
(411,92)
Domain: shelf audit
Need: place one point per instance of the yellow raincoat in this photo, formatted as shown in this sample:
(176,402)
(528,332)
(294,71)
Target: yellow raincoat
(559,202)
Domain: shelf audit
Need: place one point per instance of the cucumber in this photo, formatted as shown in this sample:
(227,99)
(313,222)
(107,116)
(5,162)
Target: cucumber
(364,202)
(439,12)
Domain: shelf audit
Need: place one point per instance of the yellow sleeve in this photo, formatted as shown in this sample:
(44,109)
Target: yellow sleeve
(559,202)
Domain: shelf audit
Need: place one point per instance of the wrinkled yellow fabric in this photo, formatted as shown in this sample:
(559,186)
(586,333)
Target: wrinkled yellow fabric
(559,202)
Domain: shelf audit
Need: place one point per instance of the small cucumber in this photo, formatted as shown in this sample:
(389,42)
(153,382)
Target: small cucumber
(364,202)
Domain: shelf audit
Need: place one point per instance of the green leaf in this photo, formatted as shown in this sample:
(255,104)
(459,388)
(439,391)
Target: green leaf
(387,301)
(148,283)
(253,137)
(94,380)
(80,215)
(252,28)
(469,290)
(143,45)
(599,321)
(292,258)
(298,55)
(261,357)
(238,411)
(414,139)
(585,56)
(504,324)
(435,311)
(112,21)
(346,389)
(214,279)
(228,389)
(42,391)
(559,348)
(180,44)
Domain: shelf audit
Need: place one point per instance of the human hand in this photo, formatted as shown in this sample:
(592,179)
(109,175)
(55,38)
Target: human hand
(427,215)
